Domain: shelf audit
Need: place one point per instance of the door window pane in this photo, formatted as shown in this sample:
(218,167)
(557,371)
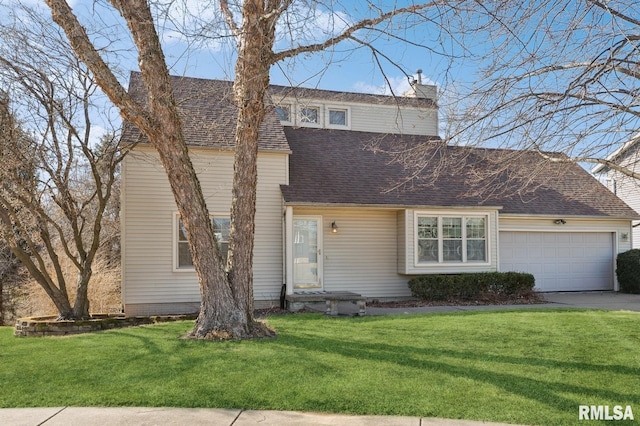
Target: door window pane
(305,253)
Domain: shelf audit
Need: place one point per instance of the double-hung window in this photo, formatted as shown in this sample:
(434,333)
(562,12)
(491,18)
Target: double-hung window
(221,228)
(451,239)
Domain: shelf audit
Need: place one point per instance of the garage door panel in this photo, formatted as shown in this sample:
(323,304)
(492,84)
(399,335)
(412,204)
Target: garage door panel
(536,253)
(578,238)
(577,252)
(560,261)
(551,251)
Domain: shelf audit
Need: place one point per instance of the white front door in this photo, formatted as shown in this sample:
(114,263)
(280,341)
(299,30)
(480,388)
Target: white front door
(307,252)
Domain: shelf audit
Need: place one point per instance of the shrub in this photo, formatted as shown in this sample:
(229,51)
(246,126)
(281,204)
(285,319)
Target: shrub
(628,271)
(500,285)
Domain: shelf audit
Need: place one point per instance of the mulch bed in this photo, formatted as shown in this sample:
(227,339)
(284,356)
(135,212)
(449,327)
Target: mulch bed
(529,299)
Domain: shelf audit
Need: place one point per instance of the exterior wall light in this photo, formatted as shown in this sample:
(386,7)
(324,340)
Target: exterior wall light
(559,221)
(334,227)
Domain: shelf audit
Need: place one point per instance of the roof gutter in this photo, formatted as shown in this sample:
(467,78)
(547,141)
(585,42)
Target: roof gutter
(387,206)
(553,216)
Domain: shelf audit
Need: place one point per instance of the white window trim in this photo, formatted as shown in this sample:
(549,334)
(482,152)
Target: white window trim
(292,113)
(441,263)
(174,239)
(329,108)
(301,123)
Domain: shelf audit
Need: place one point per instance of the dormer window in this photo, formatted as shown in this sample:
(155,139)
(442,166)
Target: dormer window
(338,117)
(284,112)
(310,115)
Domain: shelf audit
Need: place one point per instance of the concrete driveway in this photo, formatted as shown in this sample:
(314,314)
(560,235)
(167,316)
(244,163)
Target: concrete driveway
(595,299)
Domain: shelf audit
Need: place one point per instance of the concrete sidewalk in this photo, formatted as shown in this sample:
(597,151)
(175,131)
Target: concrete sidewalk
(76,416)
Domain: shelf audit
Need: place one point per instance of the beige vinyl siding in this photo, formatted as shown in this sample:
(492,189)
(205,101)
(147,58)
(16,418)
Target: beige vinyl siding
(362,256)
(628,189)
(409,256)
(630,193)
(389,119)
(373,118)
(148,225)
(402,241)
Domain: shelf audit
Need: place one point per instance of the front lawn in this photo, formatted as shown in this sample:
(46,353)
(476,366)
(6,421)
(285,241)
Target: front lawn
(529,367)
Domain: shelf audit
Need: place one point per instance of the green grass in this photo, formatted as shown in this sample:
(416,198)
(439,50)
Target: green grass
(530,367)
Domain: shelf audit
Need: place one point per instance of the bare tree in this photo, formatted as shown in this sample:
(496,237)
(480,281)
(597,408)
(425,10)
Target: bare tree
(9,280)
(55,184)
(227,289)
(561,77)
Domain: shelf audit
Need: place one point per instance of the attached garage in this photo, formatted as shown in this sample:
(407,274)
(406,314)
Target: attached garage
(560,261)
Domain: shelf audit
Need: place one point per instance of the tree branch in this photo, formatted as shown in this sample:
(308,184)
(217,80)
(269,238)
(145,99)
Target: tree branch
(129,109)
(346,34)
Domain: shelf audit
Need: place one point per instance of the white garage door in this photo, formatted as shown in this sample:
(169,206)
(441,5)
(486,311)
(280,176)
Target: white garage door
(560,261)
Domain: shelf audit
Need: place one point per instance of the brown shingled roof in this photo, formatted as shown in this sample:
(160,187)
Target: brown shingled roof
(336,167)
(209,115)
(281,92)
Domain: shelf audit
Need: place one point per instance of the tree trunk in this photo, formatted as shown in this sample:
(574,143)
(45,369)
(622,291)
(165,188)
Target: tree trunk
(250,85)
(1,301)
(227,298)
(81,304)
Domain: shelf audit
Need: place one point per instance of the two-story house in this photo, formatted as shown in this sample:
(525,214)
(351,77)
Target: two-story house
(330,215)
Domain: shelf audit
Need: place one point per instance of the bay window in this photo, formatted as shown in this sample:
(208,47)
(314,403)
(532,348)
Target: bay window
(451,239)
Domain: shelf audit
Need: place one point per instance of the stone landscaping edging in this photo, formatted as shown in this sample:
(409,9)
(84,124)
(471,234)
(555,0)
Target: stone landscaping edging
(49,326)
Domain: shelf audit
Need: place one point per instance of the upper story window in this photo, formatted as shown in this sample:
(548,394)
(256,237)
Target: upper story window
(313,113)
(444,239)
(221,227)
(338,117)
(310,115)
(284,112)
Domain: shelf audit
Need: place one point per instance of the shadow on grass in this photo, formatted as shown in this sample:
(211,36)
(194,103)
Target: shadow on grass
(547,392)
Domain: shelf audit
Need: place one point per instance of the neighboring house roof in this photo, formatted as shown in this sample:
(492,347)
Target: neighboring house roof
(208,114)
(627,149)
(341,167)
